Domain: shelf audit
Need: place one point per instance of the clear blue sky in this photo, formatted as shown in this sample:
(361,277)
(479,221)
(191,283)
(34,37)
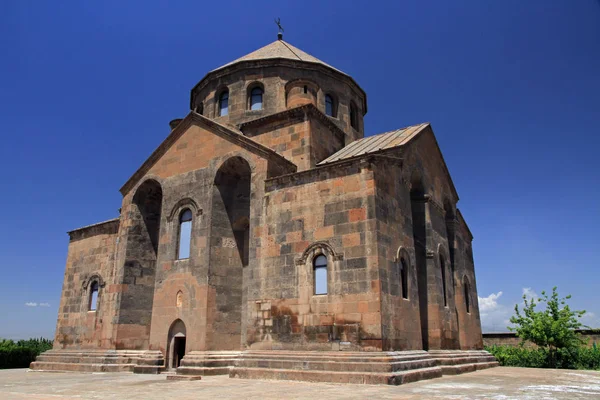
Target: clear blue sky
(512,89)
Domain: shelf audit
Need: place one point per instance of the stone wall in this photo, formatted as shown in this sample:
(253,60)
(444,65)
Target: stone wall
(401,321)
(327,211)
(303,135)
(90,258)
(187,173)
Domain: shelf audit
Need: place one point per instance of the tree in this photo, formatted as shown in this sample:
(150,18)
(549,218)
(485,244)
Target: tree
(552,328)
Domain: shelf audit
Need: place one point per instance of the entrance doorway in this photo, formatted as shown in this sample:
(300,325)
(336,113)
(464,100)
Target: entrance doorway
(178,351)
(176,344)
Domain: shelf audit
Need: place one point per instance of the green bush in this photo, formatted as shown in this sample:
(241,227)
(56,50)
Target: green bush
(20,354)
(539,357)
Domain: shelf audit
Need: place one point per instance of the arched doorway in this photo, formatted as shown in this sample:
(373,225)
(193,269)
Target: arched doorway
(176,344)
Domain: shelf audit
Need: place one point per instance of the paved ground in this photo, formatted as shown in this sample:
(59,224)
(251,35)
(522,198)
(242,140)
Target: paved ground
(500,383)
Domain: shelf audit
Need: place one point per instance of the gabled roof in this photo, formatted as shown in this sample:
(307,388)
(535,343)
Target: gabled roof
(375,143)
(279,49)
(226,132)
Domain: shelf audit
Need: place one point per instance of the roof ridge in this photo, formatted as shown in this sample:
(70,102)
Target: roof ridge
(290,49)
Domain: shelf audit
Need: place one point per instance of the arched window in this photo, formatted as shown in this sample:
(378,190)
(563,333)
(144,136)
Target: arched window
(256,99)
(93,302)
(467,290)
(200,109)
(185,234)
(224,103)
(404,277)
(353,116)
(443,268)
(320,271)
(330,106)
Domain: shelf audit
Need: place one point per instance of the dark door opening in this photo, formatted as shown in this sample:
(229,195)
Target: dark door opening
(178,351)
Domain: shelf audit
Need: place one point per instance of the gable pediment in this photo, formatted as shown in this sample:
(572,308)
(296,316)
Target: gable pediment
(209,127)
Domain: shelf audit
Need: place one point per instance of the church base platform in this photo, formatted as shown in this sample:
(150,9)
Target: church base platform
(138,361)
(388,368)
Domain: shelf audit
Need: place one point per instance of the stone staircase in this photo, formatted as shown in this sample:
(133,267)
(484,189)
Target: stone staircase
(207,362)
(139,361)
(391,368)
(455,362)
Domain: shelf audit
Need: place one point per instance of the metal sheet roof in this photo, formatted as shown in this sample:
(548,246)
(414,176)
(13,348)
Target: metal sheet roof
(279,49)
(375,143)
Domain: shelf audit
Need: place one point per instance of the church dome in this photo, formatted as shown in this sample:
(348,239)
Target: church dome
(277,77)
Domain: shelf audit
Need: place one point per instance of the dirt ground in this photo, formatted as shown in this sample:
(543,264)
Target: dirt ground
(500,383)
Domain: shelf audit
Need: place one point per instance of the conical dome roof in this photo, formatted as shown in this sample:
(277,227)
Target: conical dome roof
(279,49)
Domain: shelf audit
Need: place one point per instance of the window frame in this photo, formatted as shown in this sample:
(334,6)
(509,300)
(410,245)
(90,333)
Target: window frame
(222,94)
(404,278)
(353,116)
(315,267)
(94,289)
(467,294)
(180,223)
(333,102)
(251,98)
(444,286)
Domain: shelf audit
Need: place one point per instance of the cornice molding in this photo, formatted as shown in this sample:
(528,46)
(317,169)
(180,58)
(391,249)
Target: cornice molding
(105,227)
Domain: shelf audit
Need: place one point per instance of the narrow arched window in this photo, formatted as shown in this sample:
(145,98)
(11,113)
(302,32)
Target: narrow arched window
(224,103)
(329,106)
(404,277)
(467,290)
(320,271)
(93,302)
(353,116)
(185,234)
(443,268)
(256,99)
(179,299)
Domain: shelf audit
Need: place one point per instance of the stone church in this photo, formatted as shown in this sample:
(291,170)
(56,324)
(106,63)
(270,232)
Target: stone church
(266,237)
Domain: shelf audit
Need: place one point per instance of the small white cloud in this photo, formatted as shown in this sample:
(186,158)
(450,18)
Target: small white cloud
(489,304)
(590,319)
(530,293)
(494,316)
(31,304)
(44,304)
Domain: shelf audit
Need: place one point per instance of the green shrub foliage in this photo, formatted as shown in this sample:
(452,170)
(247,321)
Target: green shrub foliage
(21,353)
(553,332)
(541,357)
(552,329)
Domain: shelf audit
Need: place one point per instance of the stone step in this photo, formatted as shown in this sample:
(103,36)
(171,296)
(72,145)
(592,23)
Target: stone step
(463,368)
(394,378)
(192,362)
(80,367)
(464,360)
(142,361)
(337,357)
(86,359)
(335,365)
(206,371)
